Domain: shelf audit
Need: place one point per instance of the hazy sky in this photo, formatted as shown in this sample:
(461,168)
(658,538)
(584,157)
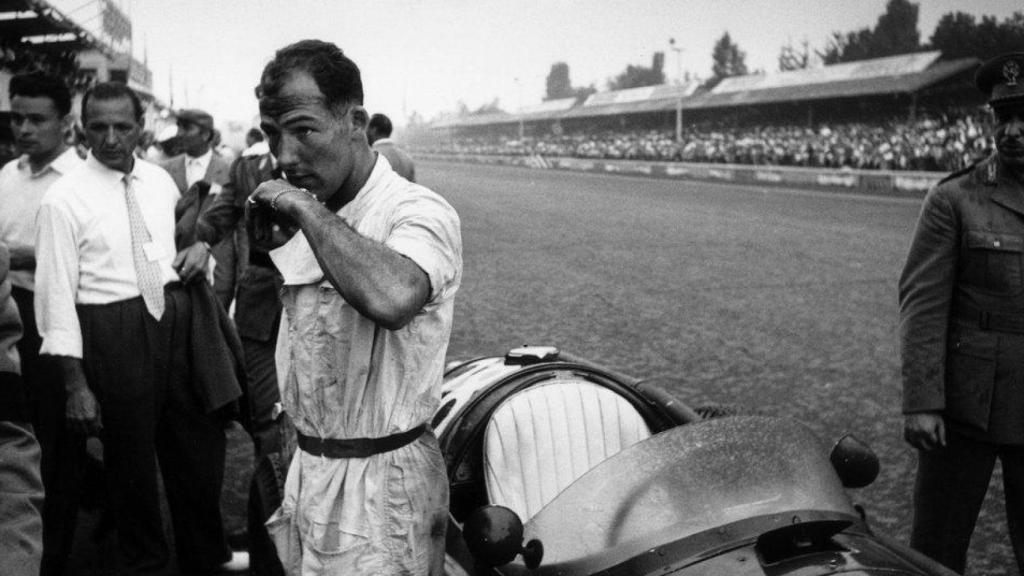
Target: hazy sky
(427,55)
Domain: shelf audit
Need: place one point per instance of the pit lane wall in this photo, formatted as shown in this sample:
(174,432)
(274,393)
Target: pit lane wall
(880,182)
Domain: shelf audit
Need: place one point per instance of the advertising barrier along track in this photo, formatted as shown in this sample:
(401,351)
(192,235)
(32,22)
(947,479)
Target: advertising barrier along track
(880,182)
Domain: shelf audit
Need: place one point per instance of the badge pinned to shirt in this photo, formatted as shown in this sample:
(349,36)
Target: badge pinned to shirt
(154,251)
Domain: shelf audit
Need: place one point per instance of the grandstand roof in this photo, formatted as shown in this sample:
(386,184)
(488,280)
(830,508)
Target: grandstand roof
(38,23)
(642,94)
(901,65)
(535,112)
(903,74)
(608,103)
(623,108)
(549,106)
(474,120)
(633,100)
(894,75)
(544,109)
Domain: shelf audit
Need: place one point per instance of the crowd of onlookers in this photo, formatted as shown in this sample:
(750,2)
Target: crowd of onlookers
(934,144)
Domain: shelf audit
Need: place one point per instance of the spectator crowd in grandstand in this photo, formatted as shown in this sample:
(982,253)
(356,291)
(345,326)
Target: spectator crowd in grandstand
(933,144)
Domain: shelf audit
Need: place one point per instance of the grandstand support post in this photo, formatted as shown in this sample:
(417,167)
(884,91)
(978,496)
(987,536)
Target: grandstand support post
(912,113)
(679,120)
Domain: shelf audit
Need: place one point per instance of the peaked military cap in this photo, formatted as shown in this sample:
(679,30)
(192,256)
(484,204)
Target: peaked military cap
(1002,78)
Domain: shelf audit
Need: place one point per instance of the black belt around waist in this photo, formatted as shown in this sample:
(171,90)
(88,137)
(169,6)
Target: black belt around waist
(1010,322)
(358,447)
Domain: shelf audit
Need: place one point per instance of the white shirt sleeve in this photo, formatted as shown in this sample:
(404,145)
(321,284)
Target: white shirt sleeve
(57,272)
(427,231)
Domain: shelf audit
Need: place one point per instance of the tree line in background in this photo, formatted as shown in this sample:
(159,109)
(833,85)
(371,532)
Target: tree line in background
(957,35)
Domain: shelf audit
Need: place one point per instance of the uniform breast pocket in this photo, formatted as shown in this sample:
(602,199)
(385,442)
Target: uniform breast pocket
(993,262)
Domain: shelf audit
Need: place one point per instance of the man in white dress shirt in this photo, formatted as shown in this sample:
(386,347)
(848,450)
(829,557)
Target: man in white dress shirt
(112,312)
(40,121)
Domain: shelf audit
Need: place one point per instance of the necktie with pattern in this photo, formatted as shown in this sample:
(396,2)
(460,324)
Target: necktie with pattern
(147,271)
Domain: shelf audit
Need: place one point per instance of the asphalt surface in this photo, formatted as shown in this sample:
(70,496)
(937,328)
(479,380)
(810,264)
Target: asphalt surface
(780,301)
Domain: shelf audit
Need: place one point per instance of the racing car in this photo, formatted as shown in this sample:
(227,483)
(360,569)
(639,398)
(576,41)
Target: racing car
(559,466)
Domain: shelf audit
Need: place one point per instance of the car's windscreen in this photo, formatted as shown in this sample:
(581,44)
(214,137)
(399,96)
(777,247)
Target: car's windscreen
(687,480)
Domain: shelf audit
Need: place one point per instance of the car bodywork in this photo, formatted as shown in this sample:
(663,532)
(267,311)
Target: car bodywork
(738,495)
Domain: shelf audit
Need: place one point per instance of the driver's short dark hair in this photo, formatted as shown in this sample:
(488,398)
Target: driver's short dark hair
(380,123)
(112,91)
(335,74)
(40,85)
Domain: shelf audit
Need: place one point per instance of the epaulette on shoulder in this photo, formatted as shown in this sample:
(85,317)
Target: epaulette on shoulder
(960,172)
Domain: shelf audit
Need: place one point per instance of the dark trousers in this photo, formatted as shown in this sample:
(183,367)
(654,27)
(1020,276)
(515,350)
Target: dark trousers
(139,370)
(268,439)
(950,488)
(63,453)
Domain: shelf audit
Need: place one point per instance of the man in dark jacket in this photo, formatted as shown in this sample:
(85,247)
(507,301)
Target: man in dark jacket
(378,134)
(201,167)
(962,335)
(257,318)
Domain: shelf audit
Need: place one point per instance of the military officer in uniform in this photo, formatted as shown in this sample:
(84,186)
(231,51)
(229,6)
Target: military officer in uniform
(962,334)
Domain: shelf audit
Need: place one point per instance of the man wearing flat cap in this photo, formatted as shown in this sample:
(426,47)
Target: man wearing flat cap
(200,173)
(961,299)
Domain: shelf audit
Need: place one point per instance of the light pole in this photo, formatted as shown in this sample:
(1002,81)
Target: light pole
(679,59)
(519,112)
(679,81)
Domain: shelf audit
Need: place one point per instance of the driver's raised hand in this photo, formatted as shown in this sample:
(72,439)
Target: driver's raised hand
(271,192)
(266,212)
(925,430)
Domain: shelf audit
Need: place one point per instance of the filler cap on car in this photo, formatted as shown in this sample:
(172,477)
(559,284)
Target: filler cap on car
(525,355)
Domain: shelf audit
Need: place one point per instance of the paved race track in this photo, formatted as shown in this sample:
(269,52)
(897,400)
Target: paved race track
(782,301)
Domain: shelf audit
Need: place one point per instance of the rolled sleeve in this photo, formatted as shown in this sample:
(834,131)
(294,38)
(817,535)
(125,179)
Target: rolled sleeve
(57,274)
(427,232)
(926,293)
